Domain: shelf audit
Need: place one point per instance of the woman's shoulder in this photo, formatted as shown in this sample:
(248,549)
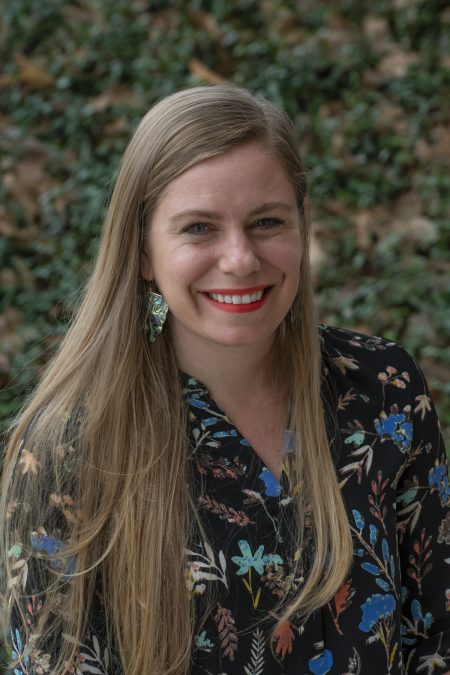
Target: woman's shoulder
(358,356)
(341,342)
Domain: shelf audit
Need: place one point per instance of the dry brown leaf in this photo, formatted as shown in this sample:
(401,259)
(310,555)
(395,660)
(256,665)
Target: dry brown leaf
(205,22)
(10,339)
(331,109)
(438,149)
(435,370)
(7,278)
(396,63)
(338,22)
(372,78)
(27,181)
(336,207)
(377,29)
(405,4)
(26,276)
(5,80)
(32,74)
(76,14)
(282,22)
(165,20)
(364,228)
(8,230)
(391,116)
(335,39)
(422,230)
(338,142)
(118,126)
(416,231)
(115,96)
(201,71)
(423,150)
(407,205)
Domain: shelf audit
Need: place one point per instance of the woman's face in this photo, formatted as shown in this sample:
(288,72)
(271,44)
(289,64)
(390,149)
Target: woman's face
(224,249)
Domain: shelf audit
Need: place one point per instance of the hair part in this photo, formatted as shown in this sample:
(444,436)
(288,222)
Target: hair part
(107,424)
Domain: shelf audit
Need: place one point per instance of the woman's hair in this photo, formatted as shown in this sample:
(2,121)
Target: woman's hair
(98,459)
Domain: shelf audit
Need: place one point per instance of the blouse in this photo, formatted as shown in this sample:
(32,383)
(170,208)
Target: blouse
(391,615)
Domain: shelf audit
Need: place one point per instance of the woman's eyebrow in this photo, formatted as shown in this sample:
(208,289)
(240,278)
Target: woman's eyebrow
(194,213)
(268,206)
(203,213)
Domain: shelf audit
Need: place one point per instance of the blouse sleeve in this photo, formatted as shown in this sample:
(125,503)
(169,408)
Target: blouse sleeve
(36,560)
(423,521)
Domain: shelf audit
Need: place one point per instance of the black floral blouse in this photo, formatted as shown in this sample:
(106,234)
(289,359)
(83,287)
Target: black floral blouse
(392,614)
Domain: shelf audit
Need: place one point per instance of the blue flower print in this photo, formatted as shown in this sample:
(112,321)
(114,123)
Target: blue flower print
(257,561)
(359,520)
(16,640)
(225,434)
(370,567)
(196,403)
(404,594)
(52,546)
(382,584)
(375,608)
(438,478)
(397,429)
(373,534)
(417,615)
(209,421)
(321,664)
(272,486)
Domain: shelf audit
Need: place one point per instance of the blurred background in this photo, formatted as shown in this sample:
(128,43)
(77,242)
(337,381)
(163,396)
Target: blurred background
(366,83)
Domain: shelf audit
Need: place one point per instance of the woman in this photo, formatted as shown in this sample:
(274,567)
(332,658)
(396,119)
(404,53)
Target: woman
(186,490)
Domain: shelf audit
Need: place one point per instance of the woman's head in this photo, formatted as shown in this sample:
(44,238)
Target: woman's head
(180,131)
(224,250)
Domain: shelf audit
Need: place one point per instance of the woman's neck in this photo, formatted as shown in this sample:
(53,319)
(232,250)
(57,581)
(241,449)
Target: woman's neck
(240,373)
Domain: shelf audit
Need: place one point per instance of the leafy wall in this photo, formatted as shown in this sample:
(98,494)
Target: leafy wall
(367,84)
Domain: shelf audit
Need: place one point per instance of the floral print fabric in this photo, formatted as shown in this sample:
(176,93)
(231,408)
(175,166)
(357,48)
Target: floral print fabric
(392,614)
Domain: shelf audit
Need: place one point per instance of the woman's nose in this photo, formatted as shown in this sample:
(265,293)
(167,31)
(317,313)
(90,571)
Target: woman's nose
(238,256)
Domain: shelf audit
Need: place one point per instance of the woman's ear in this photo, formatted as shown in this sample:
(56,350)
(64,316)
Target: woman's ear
(146,266)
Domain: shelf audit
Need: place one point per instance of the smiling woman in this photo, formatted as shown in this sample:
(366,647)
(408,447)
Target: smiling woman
(242,257)
(205,481)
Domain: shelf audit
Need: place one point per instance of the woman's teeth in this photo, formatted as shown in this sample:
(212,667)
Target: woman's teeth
(237,299)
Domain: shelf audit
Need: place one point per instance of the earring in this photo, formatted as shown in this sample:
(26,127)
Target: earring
(294,314)
(157,309)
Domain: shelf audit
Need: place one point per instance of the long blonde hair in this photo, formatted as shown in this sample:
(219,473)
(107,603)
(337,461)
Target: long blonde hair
(106,426)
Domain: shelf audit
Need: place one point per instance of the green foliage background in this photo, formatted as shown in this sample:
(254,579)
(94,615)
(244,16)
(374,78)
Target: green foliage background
(367,84)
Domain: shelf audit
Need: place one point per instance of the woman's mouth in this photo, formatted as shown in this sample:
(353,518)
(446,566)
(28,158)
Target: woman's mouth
(238,300)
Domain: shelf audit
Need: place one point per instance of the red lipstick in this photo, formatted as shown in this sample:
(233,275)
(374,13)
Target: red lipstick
(242,308)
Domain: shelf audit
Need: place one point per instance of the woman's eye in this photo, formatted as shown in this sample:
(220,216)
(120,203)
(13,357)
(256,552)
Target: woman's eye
(196,228)
(268,223)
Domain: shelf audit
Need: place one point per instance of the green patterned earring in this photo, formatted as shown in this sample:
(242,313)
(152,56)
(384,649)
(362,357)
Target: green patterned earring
(157,309)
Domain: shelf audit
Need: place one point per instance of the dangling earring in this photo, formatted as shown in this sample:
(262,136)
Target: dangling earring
(157,309)
(294,314)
